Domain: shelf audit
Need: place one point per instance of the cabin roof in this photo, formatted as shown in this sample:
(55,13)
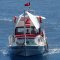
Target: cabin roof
(21,22)
(31,17)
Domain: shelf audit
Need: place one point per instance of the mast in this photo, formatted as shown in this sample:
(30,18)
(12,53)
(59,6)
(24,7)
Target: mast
(24,28)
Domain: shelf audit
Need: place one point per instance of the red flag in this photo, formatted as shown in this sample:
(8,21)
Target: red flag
(27,4)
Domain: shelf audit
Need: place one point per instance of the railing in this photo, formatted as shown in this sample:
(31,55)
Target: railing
(11,39)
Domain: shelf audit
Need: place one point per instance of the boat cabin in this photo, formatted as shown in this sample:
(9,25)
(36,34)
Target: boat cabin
(26,28)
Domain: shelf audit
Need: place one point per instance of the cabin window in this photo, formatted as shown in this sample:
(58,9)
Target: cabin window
(19,30)
(35,31)
(32,30)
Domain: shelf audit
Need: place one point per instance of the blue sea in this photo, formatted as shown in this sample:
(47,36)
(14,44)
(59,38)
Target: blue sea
(48,8)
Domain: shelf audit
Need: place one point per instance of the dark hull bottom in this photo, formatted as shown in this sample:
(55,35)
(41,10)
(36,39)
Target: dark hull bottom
(27,50)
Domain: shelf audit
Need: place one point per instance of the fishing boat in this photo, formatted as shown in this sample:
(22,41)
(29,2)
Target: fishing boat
(28,37)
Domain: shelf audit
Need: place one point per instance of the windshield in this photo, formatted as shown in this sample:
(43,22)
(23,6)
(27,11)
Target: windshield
(28,30)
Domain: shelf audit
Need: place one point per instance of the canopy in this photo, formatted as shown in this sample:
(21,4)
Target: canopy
(34,20)
(19,19)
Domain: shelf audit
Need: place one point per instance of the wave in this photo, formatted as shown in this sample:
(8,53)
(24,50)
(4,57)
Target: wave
(52,51)
(6,19)
(4,51)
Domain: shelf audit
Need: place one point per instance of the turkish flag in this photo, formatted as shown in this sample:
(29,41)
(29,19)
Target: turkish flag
(27,4)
